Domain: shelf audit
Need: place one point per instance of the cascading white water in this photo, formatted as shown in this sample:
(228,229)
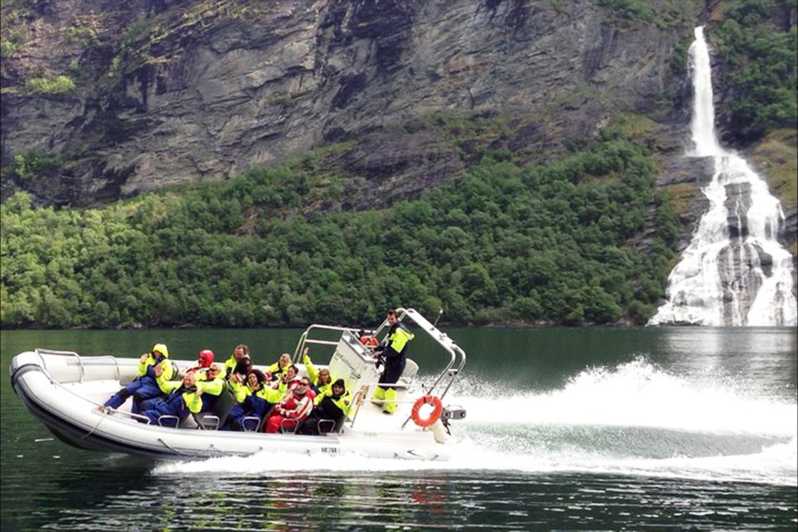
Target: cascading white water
(734,272)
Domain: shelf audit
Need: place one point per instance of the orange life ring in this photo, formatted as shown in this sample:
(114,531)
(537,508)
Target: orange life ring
(369,341)
(437,410)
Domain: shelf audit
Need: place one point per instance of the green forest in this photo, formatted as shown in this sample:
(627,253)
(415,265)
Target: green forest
(558,243)
(759,49)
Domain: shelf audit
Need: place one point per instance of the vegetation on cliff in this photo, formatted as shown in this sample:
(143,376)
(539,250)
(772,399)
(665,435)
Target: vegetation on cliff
(757,41)
(503,243)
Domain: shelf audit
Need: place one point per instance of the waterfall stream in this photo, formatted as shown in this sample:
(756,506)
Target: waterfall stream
(734,272)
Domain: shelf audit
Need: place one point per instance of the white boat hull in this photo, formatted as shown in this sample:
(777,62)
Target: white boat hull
(64,392)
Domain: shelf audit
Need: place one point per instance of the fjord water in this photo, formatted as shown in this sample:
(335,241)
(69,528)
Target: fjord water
(597,428)
(734,272)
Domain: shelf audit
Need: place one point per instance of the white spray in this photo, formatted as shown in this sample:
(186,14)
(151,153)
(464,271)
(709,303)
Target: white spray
(734,272)
(633,419)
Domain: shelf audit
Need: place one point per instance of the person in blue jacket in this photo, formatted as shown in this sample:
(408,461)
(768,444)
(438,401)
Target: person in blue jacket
(195,394)
(255,398)
(154,370)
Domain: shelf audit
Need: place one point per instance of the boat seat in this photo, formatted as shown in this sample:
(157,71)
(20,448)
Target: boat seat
(168,421)
(254,423)
(251,423)
(216,416)
(330,424)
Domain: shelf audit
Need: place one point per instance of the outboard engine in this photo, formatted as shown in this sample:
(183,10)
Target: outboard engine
(452,413)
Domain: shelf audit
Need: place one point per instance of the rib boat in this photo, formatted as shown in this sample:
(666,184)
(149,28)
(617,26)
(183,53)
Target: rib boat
(65,389)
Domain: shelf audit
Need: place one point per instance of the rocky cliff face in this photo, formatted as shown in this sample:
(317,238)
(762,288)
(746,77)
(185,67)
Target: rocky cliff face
(171,92)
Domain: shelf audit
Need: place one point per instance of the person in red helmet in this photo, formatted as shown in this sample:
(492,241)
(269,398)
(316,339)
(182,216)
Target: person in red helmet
(293,409)
(204,361)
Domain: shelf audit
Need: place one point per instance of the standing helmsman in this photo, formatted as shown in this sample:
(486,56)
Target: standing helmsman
(391,353)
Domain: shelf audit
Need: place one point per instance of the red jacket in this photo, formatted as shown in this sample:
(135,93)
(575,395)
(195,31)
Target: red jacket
(294,407)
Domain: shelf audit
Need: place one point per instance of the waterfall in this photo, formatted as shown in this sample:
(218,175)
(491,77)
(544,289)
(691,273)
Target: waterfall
(734,272)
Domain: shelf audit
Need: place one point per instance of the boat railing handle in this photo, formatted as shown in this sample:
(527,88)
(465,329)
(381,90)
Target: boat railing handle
(300,345)
(306,338)
(42,352)
(167,417)
(54,382)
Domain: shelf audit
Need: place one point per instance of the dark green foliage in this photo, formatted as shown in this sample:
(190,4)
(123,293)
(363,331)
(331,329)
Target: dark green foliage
(505,243)
(36,163)
(630,9)
(761,67)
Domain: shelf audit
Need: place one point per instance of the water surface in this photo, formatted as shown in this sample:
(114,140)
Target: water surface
(566,428)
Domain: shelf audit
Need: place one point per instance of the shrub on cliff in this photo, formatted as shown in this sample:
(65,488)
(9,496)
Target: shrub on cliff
(504,243)
(761,67)
(57,85)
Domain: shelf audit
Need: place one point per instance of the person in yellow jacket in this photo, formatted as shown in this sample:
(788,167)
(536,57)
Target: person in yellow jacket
(213,385)
(281,366)
(321,380)
(194,394)
(332,404)
(240,353)
(286,378)
(255,398)
(155,371)
(392,353)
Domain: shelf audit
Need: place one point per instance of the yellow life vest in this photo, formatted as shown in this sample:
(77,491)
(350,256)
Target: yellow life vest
(344,402)
(166,374)
(399,338)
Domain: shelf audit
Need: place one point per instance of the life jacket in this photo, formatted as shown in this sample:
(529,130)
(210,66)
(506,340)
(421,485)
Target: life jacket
(342,403)
(269,394)
(276,370)
(147,369)
(297,408)
(240,391)
(313,375)
(398,338)
(324,388)
(211,389)
(230,365)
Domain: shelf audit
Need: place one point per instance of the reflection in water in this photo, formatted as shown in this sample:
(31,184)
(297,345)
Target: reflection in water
(764,358)
(506,501)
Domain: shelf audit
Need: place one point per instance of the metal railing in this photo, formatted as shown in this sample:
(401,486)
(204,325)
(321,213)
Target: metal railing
(80,363)
(306,338)
(444,380)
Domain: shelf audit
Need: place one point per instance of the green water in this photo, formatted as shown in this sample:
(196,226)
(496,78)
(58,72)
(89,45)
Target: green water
(566,428)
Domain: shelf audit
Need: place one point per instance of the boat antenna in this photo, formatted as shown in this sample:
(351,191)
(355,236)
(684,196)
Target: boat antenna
(440,313)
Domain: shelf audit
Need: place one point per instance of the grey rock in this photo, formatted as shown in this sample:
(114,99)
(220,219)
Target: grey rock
(209,90)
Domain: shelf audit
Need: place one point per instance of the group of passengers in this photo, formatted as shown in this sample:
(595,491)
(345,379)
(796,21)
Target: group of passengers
(274,400)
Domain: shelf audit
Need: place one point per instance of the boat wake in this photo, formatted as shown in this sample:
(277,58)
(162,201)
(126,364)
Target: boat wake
(633,419)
